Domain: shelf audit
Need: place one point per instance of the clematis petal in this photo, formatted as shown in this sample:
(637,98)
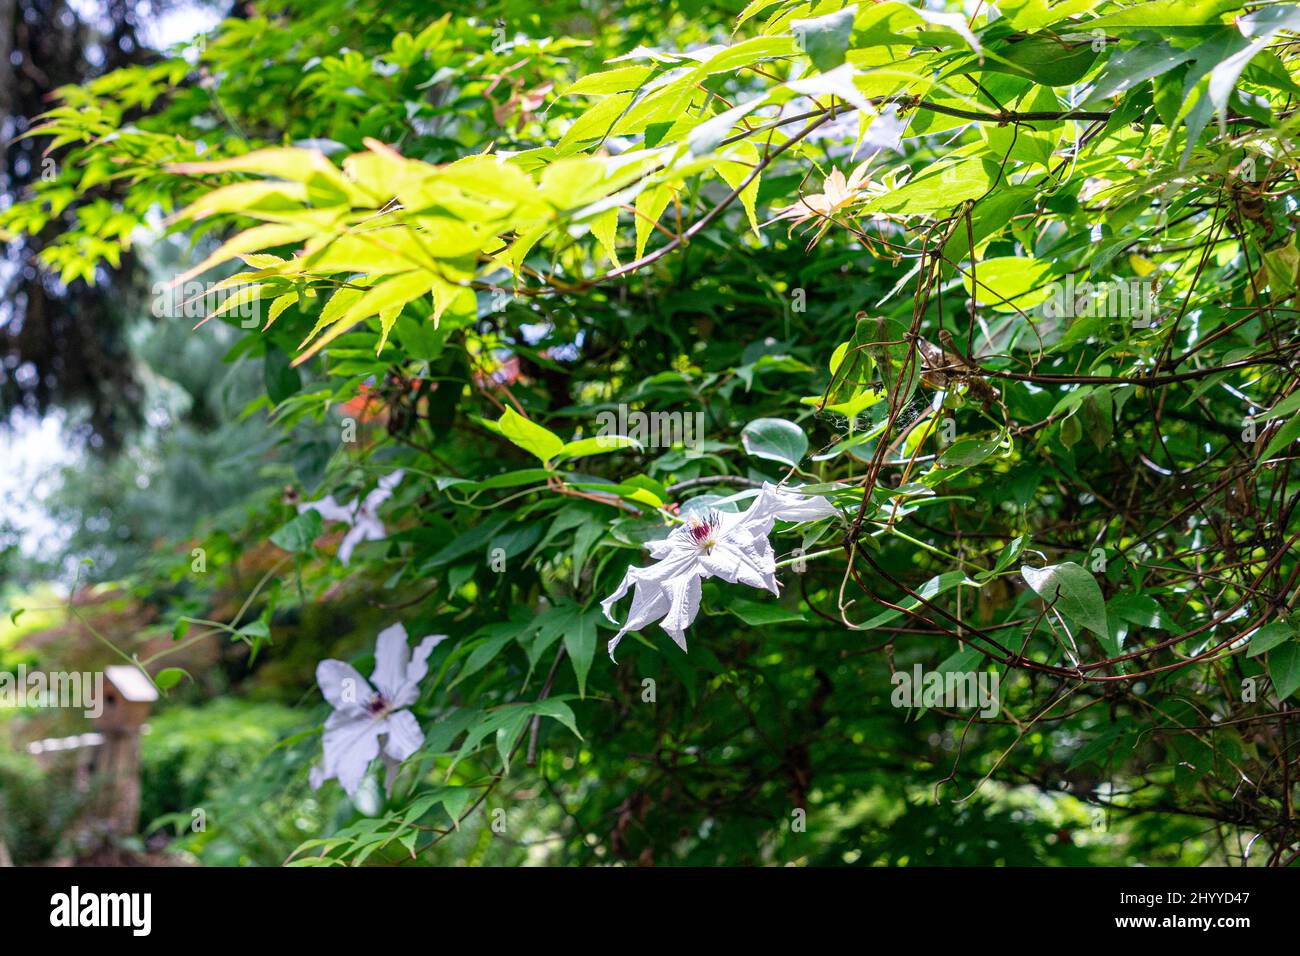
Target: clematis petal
(614,641)
(409,691)
(646,581)
(794,506)
(660,549)
(650,600)
(351,741)
(343,687)
(404,735)
(329,509)
(391,767)
(742,558)
(757,519)
(383,491)
(677,544)
(391,657)
(684,593)
(392,479)
(607,605)
(366,528)
(774,502)
(372,528)
(649,603)
(349,542)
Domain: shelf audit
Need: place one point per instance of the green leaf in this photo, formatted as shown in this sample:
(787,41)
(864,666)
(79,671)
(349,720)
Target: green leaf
(1075,593)
(599,445)
(1035,14)
(963,661)
(251,240)
(1098,749)
(467,542)
(297,535)
(580,643)
(169,677)
(484,725)
(282,379)
(1129,67)
(1284,669)
(1071,431)
(775,439)
(758,614)
(557,709)
(578,628)
(1163,14)
(938,188)
(968,452)
(509,479)
(610,81)
(595,123)
(508,733)
(1284,436)
(1270,636)
(1048,60)
(1285,407)
(1097,417)
(753,8)
(1010,283)
(604,227)
(529,436)
(650,205)
(456,800)
(825,39)
(1009,553)
(485,652)
(1140,609)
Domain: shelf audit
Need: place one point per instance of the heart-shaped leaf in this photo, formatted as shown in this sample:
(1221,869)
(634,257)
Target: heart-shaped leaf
(776,440)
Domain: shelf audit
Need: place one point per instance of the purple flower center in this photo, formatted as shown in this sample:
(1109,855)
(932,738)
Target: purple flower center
(378,704)
(702,530)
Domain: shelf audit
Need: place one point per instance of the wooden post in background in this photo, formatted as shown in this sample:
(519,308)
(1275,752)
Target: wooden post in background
(104,764)
(128,695)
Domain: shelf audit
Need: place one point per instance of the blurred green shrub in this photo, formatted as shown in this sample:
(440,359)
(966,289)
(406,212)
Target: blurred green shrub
(36,810)
(229,779)
(189,752)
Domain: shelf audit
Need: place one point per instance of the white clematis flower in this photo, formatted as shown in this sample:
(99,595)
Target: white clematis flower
(731,546)
(363,714)
(363,518)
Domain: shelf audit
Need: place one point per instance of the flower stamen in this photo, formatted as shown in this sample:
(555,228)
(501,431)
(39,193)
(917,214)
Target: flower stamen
(703,530)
